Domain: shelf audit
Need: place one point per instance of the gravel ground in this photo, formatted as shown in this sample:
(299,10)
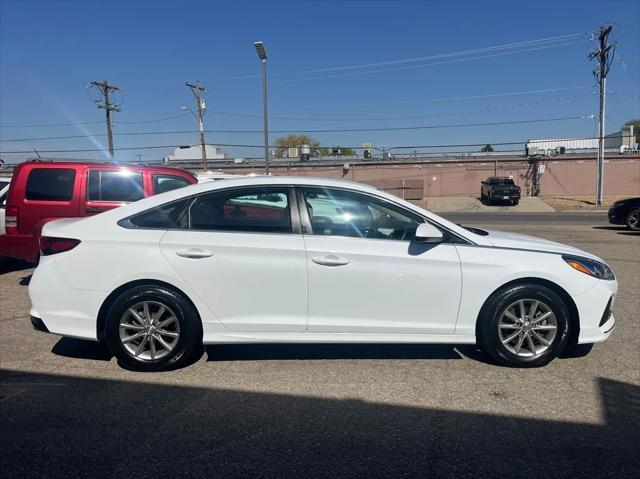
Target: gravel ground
(68,410)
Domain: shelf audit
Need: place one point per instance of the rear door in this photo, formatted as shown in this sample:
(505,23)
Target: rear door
(108,188)
(240,250)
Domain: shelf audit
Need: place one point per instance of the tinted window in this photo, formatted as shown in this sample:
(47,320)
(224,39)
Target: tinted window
(344,213)
(50,184)
(164,183)
(165,216)
(121,185)
(501,181)
(264,210)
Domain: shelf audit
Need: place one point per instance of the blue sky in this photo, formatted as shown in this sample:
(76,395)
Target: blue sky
(50,50)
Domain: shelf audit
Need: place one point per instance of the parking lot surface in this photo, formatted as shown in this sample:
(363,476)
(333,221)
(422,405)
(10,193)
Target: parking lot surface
(68,410)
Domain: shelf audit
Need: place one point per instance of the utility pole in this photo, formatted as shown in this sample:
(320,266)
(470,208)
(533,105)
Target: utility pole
(604,54)
(262,55)
(197,91)
(105,89)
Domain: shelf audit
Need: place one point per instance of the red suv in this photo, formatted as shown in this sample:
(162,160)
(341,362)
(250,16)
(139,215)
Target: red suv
(41,192)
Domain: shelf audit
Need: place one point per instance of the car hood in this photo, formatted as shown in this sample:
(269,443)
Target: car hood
(503,239)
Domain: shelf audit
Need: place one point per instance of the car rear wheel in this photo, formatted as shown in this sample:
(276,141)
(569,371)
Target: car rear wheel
(523,325)
(633,220)
(152,328)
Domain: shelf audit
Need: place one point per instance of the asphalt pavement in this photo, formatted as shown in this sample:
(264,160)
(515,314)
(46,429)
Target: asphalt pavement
(268,411)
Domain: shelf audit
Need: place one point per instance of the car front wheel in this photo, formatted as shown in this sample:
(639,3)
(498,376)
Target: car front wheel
(633,220)
(152,328)
(523,326)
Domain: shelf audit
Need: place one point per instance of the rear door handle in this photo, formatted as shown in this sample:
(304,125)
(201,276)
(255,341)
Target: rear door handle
(194,253)
(330,260)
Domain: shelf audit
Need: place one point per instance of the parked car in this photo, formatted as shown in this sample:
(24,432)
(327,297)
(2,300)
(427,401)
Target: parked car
(500,189)
(4,188)
(626,212)
(44,191)
(277,259)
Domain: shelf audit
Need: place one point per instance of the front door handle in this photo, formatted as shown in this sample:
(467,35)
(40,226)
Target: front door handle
(194,253)
(330,260)
(93,209)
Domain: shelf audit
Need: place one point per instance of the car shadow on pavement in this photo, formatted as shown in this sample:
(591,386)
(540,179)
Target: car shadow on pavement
(283,351)
(57,425)
(82,349)
(622,230)
(9,265)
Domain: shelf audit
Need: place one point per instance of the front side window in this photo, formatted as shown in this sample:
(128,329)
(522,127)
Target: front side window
(163,183)
(345,213)
(119,185)
(261,210)
(50,184)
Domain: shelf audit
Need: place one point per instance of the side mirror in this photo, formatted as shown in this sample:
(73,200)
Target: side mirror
(427,233)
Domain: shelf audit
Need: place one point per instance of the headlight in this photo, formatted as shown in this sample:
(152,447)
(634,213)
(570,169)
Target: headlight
(589,266)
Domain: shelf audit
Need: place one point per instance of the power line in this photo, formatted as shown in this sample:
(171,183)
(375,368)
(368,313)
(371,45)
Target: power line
(426,100)
(413,117)
(338,130)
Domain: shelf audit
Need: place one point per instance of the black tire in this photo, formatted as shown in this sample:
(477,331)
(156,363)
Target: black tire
(633,220)
(190,328)
(515,202)
(487,327)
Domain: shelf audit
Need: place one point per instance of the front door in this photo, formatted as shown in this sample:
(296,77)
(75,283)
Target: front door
(240,254)
(367,275)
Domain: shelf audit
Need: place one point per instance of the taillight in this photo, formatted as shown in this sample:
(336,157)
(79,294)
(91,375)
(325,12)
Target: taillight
(50,245)
(11,220)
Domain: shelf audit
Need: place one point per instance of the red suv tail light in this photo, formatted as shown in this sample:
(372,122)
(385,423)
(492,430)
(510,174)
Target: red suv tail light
(11,220)
(50,245)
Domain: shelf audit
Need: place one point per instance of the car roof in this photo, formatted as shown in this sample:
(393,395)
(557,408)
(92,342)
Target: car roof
(97,164)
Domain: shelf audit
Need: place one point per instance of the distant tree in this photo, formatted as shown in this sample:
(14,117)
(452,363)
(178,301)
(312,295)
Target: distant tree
(296,141)
(636,127)
(487,148)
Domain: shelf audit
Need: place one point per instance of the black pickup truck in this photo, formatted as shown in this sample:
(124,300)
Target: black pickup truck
(500,189)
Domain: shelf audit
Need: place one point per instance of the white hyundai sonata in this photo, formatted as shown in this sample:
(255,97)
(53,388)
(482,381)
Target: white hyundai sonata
(276,259)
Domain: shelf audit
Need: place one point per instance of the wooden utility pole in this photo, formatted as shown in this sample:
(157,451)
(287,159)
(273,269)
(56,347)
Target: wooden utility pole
(197,91)
(105,89)
(604,54)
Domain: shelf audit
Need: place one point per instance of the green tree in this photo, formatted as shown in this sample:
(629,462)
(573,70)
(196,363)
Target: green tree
(296,141)
(636,127)
(487,148)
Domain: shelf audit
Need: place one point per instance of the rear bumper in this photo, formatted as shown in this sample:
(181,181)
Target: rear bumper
(19,246)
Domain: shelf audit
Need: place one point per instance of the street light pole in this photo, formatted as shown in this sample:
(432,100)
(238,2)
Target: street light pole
(197,92)
(262,54)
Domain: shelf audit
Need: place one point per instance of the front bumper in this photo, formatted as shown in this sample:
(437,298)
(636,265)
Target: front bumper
(38,324)
(615,216)
(596,320)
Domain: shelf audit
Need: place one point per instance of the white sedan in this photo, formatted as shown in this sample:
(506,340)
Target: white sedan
(276,259)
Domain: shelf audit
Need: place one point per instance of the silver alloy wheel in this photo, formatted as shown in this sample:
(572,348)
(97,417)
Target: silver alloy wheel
(149,330)
(633,221)
(527,328)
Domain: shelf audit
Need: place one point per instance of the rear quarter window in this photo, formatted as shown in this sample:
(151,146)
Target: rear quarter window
(50,184)
(163,182)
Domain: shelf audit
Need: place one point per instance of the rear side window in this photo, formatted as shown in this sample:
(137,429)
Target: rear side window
(165,216)
(50,184)
(163,183)
(261,210)
(120,186)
